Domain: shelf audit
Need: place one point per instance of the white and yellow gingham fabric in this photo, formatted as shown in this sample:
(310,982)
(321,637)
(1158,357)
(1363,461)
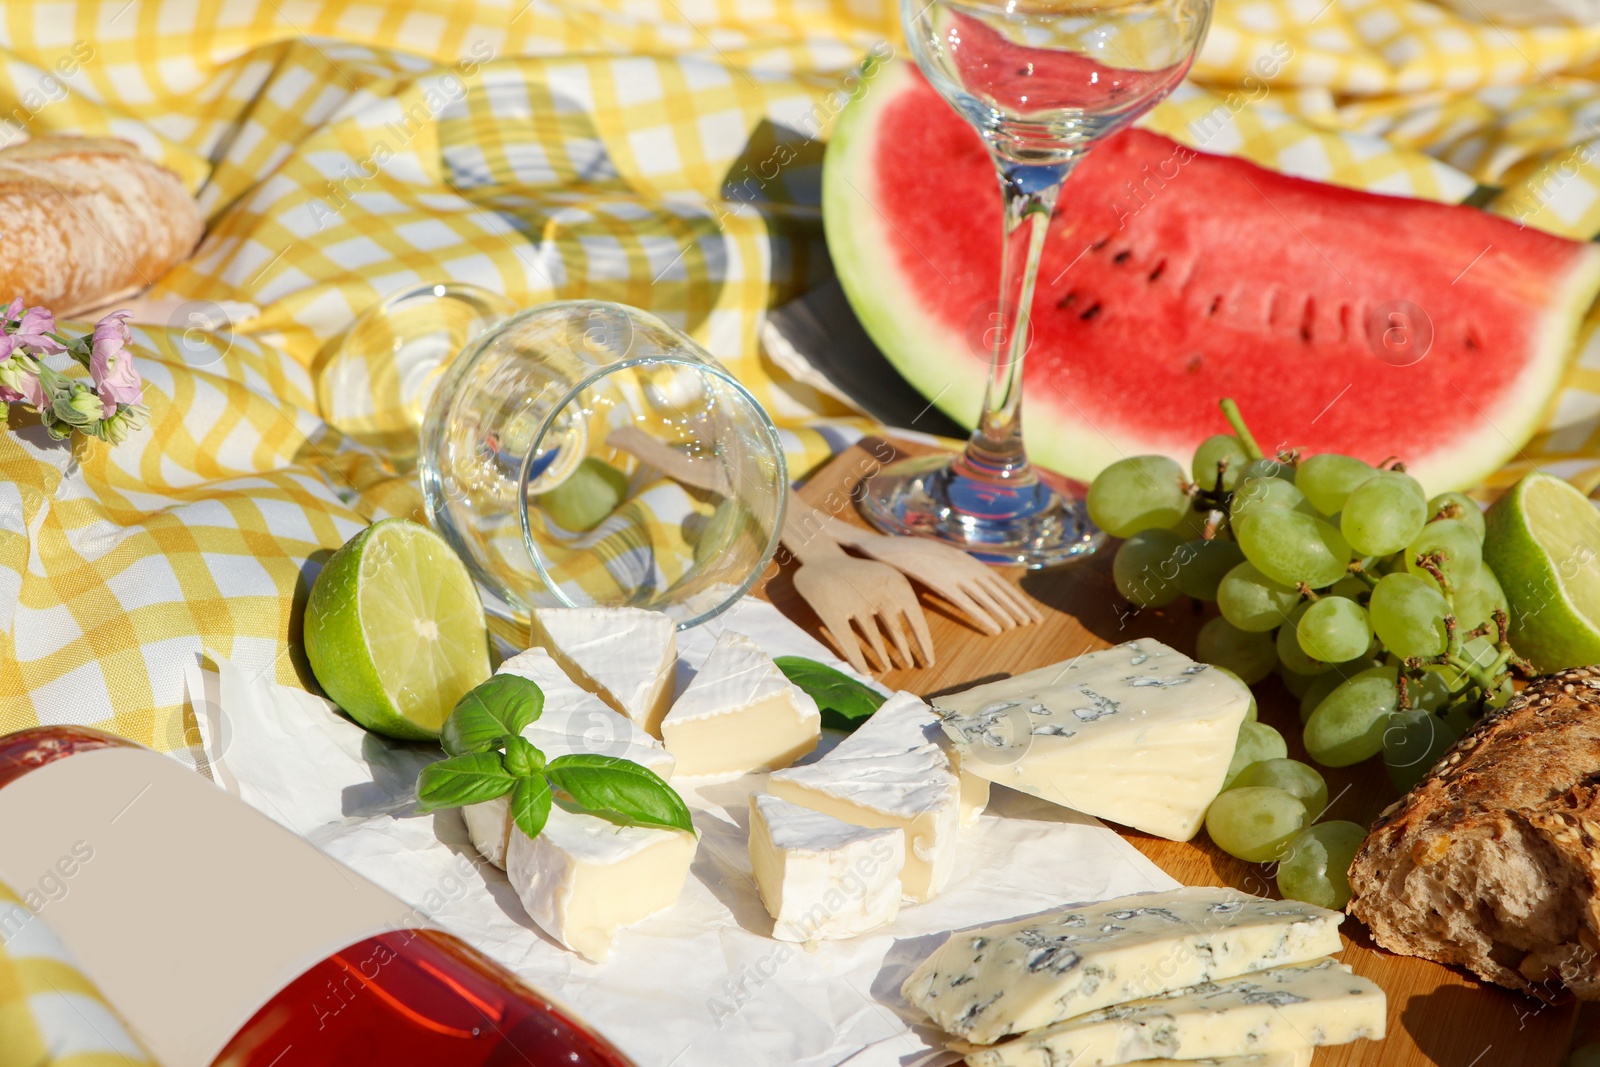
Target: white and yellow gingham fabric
(50,1014)
(663,153)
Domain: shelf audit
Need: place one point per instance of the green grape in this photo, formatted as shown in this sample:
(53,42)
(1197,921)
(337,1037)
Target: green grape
(1256,493)
(1295,682)
(1328,479)
(1267,467)
(1202,564)
(1476,599)
(1290,547)
(1289,775)
(1383,513)
(1255,824)
(1251,712)
(1225,449)
(1413,741)
(1333,630)
(1138,493)
(1290,654)
(1192,527)
(1327,683)
(1253,602)
(1248,655)
(1430,690)
(1459,549)
(1256,742)
(1347,726)
(1351,587)
(1407,614)
(1146,568)
(1466,511)
(587,497)
(1316,865)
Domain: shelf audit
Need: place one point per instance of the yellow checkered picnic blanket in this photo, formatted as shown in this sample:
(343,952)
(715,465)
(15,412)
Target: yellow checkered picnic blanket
(346,149)
(50,1014)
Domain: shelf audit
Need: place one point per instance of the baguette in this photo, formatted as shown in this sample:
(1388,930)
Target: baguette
(85,221)
(1491,861)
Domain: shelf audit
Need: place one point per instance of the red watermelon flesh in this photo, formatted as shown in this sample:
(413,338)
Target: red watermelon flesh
(1173,278)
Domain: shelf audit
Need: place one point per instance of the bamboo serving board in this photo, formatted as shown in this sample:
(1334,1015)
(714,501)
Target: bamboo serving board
(1437,1015)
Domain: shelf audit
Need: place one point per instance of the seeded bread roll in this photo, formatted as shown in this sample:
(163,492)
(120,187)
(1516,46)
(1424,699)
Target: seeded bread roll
(1491,862)
(85,221)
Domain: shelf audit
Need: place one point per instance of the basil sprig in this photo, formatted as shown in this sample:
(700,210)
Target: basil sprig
(488,757)
(844,702)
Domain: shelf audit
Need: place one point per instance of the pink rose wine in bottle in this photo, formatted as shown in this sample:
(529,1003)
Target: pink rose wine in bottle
(225,939)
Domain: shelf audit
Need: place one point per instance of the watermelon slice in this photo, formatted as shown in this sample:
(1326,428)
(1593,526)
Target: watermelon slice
(1340,320)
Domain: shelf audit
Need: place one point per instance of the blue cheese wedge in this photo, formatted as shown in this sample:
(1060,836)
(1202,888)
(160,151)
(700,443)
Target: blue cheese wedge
(823,879)
(573,720)
(1139,734)
(740,714)
(1298,1058)
(583,879)
(1278,1010)
(893,772)
(626,656)
(987,984)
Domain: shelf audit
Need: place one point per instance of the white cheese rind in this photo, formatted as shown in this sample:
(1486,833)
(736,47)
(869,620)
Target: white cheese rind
(823,879)
(583,880)
(1139,734)
(739,714)
(626,656)
(573,720)
(1282,1009)
(987,984)
(893,772)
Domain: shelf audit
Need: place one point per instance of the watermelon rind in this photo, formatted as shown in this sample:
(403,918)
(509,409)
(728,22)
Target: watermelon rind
(1061,434)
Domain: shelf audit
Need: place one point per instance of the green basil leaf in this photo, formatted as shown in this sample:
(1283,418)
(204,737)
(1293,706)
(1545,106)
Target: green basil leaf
(501,707)
(461,780)
(522,758)
(530,804)
(844,702)
(620,791)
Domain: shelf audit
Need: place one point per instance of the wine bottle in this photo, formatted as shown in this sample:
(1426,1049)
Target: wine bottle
(225,939)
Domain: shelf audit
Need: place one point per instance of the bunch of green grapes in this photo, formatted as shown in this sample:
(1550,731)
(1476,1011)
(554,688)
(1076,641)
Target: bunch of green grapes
(1371,601)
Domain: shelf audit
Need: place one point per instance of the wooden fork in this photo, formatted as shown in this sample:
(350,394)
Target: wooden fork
(991,602)
(853,597)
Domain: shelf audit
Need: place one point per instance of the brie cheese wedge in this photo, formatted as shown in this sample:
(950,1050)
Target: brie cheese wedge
(893,772)
(584,879)
(987,984)
(1139,734)
(823,879)
(573,720)
(626,656)
(740,714)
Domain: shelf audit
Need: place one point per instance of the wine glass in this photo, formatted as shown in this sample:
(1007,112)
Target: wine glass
(1041,81)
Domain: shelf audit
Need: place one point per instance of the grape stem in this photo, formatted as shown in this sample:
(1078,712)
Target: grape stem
(1361,572)
(1230,411)
(1429,561)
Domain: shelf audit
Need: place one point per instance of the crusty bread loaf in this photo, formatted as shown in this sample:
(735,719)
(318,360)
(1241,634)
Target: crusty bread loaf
(88,220)
(1491,861)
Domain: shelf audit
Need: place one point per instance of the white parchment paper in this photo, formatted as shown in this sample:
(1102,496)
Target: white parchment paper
(702,983)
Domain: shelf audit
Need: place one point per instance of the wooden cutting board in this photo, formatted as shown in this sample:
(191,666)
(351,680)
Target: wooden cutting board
(1437,1015)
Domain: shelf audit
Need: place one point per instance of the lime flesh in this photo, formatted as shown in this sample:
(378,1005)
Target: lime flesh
(394,630)
(1543,544)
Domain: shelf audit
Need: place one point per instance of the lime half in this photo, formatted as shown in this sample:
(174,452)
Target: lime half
(394,630)
(1543,543)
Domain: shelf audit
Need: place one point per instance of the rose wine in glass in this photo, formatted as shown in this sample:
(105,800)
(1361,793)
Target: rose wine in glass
(1041,81)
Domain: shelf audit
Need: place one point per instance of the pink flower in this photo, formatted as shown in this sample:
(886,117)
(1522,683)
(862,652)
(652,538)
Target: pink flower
(111,364)
(37,325)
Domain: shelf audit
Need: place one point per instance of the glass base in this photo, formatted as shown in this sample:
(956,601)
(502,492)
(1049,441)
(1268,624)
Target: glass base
(1037,523)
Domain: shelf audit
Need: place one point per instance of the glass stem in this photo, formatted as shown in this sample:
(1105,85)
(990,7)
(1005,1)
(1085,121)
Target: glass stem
(995,451)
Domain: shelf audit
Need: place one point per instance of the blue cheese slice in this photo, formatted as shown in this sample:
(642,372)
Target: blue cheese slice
(823,879)
(740,714)
(573,720)
(987,984)
(626,656)
(1139,734)
(893,772)
(1277,1010)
